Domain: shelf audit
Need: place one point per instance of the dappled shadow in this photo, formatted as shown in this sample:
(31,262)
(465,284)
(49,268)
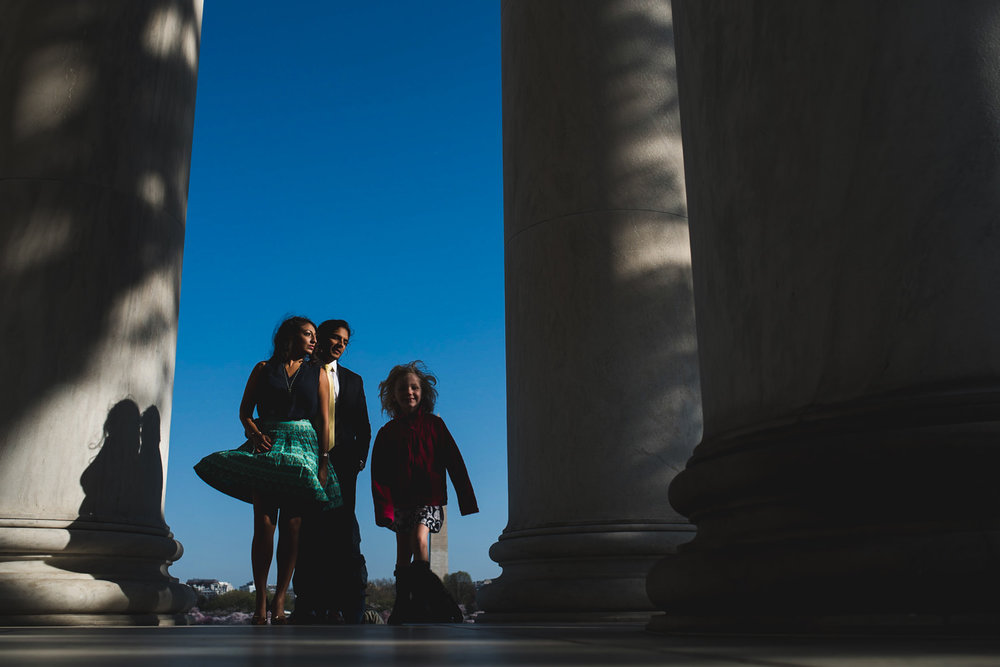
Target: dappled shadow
(603,396)
(96,113)
(600,313)
(96,119)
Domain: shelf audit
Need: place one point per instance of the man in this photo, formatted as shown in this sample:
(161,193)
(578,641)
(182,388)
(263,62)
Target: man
(330,574)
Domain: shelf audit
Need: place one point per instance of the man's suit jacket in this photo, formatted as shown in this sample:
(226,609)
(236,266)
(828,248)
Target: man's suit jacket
(330,573)
(352,430)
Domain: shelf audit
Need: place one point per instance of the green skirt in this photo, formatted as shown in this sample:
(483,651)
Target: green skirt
(287,472)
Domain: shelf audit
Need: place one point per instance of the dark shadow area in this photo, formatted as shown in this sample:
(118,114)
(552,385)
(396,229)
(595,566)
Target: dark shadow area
(842,165)
(124,482)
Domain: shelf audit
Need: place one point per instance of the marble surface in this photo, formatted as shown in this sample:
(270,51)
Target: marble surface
(841,162)
(441,646)
(602,377)
(98,116)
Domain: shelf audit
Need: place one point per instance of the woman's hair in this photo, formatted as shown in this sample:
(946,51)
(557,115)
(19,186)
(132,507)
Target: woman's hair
(284,335)
(387,388)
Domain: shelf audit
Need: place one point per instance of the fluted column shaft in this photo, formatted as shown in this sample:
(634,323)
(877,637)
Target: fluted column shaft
(602,384)
(842,161)
(96,119)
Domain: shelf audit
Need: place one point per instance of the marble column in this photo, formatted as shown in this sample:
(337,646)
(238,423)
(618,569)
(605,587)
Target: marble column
(602,379)
(843,164)
(96,118)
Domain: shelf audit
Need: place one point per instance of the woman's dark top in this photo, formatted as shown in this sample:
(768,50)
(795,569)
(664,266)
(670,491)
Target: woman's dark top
(276,403)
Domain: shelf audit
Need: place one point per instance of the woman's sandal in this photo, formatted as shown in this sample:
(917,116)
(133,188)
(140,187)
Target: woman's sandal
(278,619)
(257,619)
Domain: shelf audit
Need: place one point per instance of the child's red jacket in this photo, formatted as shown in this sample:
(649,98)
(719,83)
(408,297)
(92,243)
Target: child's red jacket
(409,460)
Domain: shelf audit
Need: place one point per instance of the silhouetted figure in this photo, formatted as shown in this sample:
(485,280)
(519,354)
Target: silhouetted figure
(283,466)
(411,455)
(331,575)
(112,482)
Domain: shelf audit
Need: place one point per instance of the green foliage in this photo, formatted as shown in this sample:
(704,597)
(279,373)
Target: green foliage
(236,601)
(381,593)
(460,585)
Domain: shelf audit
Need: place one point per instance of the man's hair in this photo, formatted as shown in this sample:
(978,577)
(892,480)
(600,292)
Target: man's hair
(327,328)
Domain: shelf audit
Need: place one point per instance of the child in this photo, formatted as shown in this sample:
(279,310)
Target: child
(409,460)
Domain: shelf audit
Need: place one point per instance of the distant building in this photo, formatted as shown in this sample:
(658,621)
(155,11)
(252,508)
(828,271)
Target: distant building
(438,546)
(210,587)
(248,587)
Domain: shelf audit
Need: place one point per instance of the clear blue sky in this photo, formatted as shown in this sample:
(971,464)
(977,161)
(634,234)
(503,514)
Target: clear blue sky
(346,164)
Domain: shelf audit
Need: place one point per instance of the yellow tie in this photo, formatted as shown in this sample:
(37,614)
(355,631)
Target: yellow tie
(331,409)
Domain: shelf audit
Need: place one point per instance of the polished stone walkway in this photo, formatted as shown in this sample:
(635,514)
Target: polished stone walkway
(441,646)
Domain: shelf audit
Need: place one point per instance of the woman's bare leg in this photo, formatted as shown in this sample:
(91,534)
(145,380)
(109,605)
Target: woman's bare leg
(261,548)
(288,551)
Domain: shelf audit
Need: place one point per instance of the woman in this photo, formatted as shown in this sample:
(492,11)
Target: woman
(284,463)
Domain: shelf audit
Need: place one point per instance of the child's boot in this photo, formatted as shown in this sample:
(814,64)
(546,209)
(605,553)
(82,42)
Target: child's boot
(401,607)
(431,600)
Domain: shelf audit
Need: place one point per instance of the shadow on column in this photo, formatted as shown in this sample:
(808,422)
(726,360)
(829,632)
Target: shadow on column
(120,547)
(96,118)
(602,377)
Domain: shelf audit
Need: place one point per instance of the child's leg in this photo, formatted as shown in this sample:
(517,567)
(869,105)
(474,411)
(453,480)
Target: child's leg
(401,605)
(419,543)
(404,549)
(265,515)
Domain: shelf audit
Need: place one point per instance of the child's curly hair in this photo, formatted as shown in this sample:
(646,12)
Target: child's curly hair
(387,388)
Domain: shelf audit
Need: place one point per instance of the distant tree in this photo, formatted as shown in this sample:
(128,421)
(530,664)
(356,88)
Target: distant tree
(381,593)
(238,601)
(460,585)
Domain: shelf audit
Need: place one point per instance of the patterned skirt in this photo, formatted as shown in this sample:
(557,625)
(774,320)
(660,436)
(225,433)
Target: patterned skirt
(405,521)
(287,472)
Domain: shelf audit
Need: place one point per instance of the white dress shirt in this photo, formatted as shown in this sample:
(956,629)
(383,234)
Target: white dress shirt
(334,382)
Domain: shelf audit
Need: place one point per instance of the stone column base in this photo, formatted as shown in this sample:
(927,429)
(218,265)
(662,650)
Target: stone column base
(584,573)
(84,573)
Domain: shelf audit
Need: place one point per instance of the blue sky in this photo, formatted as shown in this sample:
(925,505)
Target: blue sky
(346,163)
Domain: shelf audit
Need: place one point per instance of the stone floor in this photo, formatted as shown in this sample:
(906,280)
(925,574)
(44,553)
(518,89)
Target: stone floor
(587,646)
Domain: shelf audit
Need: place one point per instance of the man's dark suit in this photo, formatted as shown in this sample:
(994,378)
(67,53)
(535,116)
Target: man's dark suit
(353,433)
(330,574)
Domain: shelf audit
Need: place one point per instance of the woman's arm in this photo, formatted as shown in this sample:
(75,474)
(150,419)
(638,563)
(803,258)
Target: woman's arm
(322,425)
(260,442)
